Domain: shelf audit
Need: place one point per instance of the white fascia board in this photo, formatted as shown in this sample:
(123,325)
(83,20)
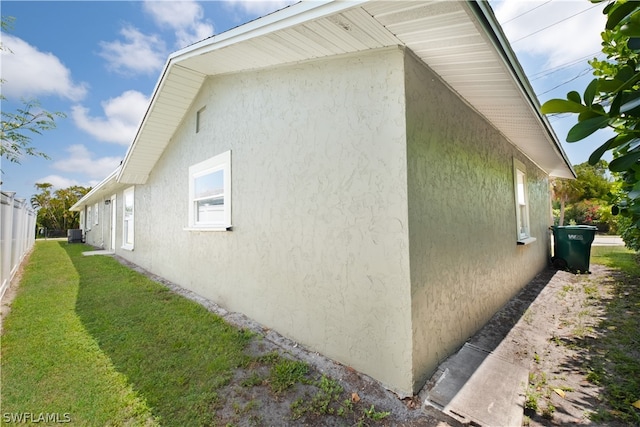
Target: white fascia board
(300,12)
(85,199)
(485,16)
(305,11)
(131,148)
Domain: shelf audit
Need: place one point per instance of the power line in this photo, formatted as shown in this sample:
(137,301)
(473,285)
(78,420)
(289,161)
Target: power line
(545,73)
(524,13)
(559,116)
(582,73)
(555,23)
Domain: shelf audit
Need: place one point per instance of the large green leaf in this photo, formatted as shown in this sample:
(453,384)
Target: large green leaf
(590,92)
(614,110)
(630,79)
(632,101)
(574,96)
(562,106)
(625,73)
(609,85)
(585,115)
(635,191)
(619,12)
(633,43)
(585,128)
(634,208)
(598,152)
(630,29)
(625,162)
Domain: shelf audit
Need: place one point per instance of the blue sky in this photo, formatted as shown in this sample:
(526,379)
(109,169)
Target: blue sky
(99,61)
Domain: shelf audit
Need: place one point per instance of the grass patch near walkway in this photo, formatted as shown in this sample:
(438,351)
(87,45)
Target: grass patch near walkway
(90,338)
(614,361)
(617,257)
(50,363)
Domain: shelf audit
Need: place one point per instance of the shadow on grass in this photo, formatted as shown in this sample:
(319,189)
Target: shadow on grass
(610,354)
(173,351)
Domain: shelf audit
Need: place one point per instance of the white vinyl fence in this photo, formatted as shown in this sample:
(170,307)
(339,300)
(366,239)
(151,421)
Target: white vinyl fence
(17,235)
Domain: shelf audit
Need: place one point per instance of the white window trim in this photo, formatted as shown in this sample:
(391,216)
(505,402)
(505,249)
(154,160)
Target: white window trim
(125,245)
(216,163)
(96,214)
(522,238)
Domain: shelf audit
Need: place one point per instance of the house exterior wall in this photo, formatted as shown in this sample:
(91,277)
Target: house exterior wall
(465,263)
(99,235)
(94,233)
(319,246)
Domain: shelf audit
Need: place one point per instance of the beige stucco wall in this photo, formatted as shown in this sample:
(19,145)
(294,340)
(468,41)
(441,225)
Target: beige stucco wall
(319,247)
(95,234)
(465,263)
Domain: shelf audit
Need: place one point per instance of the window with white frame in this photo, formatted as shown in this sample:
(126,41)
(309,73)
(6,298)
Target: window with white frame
(210,193)
(89,216)
(96,213)
(522,203)
(127,219)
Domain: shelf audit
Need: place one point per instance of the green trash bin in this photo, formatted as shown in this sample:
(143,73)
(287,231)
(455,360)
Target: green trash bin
(572,247)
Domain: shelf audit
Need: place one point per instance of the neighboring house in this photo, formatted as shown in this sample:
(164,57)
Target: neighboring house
(370,179)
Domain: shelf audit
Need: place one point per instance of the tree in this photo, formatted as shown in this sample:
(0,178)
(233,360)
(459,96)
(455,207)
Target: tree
(53,209)
(564,191)
(591,184)
(17,128)
(612,100)
(592,180)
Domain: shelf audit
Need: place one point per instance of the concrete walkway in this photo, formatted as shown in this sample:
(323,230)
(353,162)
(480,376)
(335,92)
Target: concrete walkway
(478,387)
(485,382)
(604,240)
(98,252)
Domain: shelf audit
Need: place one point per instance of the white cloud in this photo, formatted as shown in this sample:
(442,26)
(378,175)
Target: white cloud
(29,72)
(576,34)
(57,181)
(80,160)
(122,115)
(137,54)
(186,18)
(260,7)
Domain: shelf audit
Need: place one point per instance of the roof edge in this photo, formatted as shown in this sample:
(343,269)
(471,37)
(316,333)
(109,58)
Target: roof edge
(485,16)
(94,190)
(283,18)
(286,17)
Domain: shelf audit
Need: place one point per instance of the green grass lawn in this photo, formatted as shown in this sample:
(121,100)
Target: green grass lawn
(93,341)
(615,356)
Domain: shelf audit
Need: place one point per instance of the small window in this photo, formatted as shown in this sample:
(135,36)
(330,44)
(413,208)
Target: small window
(127,219)
(522,203)
(89,216)
(199,116)
(96,213)
(210,193)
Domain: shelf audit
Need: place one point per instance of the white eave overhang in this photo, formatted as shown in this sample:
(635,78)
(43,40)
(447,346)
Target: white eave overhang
(105,189)
(460,41)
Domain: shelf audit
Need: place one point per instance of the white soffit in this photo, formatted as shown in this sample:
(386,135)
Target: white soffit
(104,189)
(450,39)
(446,35)
(171,99)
